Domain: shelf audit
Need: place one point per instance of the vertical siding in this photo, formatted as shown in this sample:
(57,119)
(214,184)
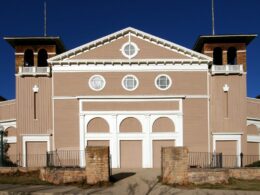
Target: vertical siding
(236,119)
(195,124)
(7,110)
(25,105)
(66,124)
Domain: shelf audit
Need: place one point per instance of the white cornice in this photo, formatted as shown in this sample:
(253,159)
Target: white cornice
(137,33)
(134,97)
(129,67)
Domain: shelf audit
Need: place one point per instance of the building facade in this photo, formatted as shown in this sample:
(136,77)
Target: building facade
(131,91)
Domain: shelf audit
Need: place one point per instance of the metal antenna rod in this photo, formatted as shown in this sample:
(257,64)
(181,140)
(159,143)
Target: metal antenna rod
(45,19)
(213,17)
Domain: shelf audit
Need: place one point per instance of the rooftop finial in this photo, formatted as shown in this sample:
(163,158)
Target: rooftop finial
(213,19)
(45,19)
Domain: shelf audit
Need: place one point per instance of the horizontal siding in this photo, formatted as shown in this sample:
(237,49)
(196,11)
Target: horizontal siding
(7,110)
(253,108)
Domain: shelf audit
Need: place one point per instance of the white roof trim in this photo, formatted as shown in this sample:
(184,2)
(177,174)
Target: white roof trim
(153,39)
(127,61)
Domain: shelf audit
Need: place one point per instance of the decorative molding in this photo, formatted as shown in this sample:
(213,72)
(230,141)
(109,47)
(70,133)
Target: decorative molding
(8,123)
(122,66)
(133,32)
(225,88)
(253,121)
(35,89)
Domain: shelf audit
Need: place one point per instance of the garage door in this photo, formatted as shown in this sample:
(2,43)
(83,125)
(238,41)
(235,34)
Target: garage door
(229,151)
(157,145)
(227,147)
(131,154)
(36,154)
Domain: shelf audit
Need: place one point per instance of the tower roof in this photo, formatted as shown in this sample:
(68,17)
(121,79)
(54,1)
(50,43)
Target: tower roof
(246,38)
(13,41)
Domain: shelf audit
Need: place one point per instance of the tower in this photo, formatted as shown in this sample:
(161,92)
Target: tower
(227,89)
(34,93)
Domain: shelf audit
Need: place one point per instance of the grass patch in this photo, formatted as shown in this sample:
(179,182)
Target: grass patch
(234,184)
(18,177)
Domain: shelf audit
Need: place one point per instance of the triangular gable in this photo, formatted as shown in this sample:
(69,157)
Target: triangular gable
(109,47)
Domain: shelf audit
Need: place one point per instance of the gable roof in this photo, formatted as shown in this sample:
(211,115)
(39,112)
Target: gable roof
(66,56)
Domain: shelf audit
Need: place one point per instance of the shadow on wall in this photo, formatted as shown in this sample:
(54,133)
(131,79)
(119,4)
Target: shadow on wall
(119,176)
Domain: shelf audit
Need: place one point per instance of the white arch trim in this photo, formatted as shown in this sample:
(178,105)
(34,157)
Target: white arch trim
(8,123)
(253,121)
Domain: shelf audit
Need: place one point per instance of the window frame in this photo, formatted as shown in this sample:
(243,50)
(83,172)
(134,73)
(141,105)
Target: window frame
(158,87)
(125,87)
(125,54)
(92,77)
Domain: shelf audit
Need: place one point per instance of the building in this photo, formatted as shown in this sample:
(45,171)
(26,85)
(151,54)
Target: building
(134,92)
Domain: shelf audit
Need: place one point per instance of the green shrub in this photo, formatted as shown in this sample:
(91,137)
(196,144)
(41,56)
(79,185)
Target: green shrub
(254,164)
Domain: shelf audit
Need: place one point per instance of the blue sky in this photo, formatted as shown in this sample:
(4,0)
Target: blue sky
(80,21)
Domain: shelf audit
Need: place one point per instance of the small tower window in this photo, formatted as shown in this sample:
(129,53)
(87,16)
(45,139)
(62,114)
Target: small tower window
(28,57)
(217,56)
(232,55)
(42,57)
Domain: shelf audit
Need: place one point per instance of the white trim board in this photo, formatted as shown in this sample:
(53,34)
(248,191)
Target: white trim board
(127,32)
(8,123)
(114,136)
(132,98)
(228,137)
(34,138)
(128,68)
(253,138)
(10,139)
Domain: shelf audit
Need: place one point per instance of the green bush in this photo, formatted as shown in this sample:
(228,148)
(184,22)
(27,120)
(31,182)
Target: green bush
(254,164)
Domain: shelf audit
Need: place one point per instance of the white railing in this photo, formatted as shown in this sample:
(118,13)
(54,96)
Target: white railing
(227,69)
(34,70)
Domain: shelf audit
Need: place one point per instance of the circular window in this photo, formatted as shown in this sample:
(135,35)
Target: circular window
(130,82)
(97,82)
(163,82)
(129,50)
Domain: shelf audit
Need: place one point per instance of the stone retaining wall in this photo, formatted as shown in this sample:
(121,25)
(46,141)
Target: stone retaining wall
(175,170)
(212,176)
(245,173)
(62,175)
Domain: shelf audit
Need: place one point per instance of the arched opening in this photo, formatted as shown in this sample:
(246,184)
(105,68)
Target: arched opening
(28,58)
(42,57)
(10,131)
(163,124)
(232,56)
(130,124)
(217,56)
(98,125)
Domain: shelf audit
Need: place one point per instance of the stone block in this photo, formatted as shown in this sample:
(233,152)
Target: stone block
(97,164)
